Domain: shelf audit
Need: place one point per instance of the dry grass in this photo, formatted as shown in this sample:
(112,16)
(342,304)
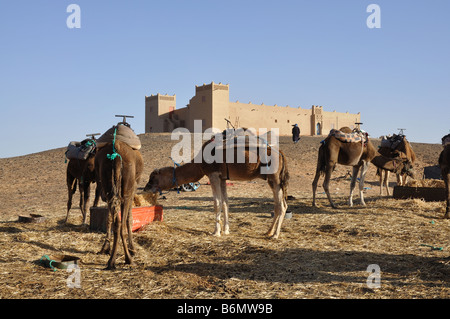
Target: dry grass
(322,252)
(434,183)
(145,199)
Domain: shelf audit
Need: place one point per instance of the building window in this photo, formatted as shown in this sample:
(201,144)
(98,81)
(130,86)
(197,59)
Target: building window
(276,121)
(288,121)
(203,98)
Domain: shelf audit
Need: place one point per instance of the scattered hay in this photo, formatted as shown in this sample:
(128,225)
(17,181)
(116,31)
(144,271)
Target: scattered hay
(145,199)
(435,183)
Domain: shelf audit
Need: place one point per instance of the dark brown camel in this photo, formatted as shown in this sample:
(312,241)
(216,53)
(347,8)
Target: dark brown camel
(118,169)
(403,150)
(384,174)
(358,155)
(218,173)
(83,173)
(444,163)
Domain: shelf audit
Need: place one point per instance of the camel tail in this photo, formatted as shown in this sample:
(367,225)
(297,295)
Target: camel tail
(116,180)
(284,175)
(322,159)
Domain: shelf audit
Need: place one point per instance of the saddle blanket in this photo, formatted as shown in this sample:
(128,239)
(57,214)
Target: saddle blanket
(391,141)
(355,137)
(123,133)
(80,150)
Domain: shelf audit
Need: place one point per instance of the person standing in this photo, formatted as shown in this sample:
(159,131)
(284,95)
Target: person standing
(295,133)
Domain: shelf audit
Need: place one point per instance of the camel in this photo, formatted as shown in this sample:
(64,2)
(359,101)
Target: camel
(444,163)
(384,174)
(83,172)
(358,155)
(218,173)
(402,150)
(118,168)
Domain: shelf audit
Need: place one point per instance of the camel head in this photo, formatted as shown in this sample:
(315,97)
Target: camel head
(408,168)
(404,166)
(159,180)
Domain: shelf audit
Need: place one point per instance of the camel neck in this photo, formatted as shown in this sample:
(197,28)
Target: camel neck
(385,162)
(188,173)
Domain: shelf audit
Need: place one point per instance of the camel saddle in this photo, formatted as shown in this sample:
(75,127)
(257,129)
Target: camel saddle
(80,150)
(122,133)
(354,137)
(391,141)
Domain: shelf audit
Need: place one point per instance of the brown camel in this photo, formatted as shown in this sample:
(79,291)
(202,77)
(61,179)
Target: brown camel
(384,174)
(444,163)
(356,154)
(118,170)
(83,172)
(219,173)
(403,150)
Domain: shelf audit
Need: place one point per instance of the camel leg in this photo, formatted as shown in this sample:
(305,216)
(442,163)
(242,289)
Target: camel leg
(381,171)
(97,196)
(386,183)
(446,176)
(314,186)
(117,229)
(130,232)
(71,187)
(275,228)
(399,180)
(404,179)
(364,168)
(223,188)
(85,204)
(284,203)
(352,184)
(106,245)
(125,230)
(326,184)
(215,182)
(80,187)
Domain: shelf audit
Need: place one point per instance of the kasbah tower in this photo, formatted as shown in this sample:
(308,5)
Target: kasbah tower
(211,104)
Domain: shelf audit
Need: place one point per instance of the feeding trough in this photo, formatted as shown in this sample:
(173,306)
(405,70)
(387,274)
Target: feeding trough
(141,217)
(430,190)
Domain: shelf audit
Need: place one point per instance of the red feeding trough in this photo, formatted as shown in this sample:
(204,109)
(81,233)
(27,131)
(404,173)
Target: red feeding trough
(141,216)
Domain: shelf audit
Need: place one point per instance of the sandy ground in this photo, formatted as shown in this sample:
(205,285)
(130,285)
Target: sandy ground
(321,253)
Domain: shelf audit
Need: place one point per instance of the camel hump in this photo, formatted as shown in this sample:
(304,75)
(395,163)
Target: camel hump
(345,129)
(446,140)
(121,133)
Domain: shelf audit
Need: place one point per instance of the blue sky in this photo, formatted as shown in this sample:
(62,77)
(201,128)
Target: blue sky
(58,84)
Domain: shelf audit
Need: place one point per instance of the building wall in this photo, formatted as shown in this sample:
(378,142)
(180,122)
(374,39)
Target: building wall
(211,105)
(200,107)
(157,112)
(268,116)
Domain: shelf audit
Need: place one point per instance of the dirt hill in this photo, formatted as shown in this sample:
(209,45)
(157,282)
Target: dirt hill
(36,182)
